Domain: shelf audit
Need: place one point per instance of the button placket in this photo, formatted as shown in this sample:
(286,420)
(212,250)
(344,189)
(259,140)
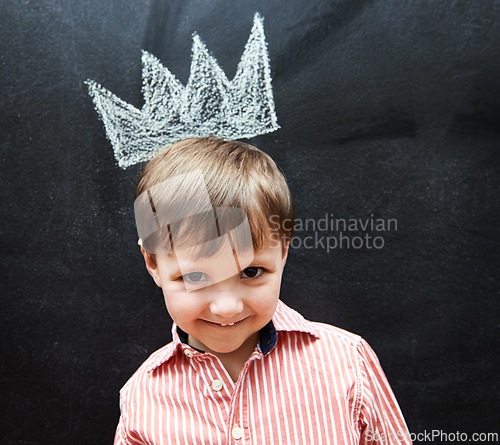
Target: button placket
(212,380)
(239,414)
(217,385)
(237,433)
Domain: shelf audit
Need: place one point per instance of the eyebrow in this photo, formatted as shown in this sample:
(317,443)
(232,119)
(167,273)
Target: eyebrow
(263,258)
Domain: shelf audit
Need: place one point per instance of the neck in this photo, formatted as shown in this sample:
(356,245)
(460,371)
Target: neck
(233,361)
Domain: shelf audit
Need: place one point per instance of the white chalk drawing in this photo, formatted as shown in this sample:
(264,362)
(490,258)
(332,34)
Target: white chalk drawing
(209,104)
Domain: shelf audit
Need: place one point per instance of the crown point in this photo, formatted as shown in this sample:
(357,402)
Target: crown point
(198,44)
(145,55)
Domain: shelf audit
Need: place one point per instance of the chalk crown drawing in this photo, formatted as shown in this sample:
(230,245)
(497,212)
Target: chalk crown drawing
(209,104)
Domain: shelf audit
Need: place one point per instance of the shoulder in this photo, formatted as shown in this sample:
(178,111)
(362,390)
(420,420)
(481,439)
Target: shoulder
(350,351)
(144,372)
(288,320)
(347,346)
(353,345)
(335,333)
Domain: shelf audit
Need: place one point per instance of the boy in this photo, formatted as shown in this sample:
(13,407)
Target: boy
(243,368)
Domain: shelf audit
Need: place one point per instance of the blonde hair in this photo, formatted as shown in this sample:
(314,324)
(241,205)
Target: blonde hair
(236,175)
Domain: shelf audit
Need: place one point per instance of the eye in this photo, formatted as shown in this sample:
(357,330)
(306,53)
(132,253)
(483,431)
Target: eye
(194,277)
(251,272)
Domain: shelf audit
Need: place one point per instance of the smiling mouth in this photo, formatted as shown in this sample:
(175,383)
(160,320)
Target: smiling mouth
(226,324)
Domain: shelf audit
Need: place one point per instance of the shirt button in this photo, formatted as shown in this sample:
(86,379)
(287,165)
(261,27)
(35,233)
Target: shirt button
(216,385)
(237,433)
(189,353)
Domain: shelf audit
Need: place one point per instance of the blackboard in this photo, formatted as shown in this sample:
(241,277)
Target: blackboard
(389,110)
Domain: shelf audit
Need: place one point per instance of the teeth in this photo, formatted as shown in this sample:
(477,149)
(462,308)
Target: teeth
(227,324)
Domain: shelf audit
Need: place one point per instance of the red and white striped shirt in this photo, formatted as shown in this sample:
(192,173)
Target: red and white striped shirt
(305,383)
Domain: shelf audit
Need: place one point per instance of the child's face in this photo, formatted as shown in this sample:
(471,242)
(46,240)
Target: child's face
(222,316)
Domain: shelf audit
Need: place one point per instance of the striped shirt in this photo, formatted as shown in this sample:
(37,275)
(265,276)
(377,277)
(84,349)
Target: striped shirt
(305,383)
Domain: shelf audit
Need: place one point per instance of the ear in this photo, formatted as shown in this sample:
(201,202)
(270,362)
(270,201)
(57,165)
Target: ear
(151,264)
(285,252)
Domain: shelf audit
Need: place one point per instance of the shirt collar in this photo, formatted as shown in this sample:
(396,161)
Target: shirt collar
(267,338)
(285,319)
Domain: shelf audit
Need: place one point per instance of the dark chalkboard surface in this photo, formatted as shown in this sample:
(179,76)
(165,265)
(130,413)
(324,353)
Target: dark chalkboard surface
(389,110)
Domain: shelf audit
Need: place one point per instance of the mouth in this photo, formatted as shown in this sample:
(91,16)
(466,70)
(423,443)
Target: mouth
(226,325)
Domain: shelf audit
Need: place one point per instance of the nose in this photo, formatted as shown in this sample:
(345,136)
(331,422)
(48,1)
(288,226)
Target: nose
(226,304)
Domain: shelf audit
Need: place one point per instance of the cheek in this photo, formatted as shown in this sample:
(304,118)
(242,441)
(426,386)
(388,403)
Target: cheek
(276,286)
(266,297)
(180,305)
